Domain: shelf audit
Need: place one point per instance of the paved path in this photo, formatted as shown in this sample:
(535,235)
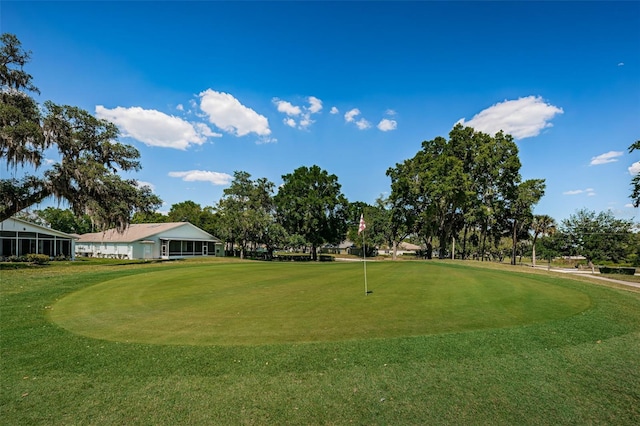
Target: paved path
(590,274)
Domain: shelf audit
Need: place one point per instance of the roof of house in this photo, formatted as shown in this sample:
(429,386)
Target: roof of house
(408,246)
(15,224)
(135,232)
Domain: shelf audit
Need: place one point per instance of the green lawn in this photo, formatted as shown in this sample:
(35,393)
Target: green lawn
(268,343)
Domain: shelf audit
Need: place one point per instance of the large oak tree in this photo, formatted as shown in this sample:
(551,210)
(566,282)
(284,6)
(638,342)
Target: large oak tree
(310,203)
(86,172)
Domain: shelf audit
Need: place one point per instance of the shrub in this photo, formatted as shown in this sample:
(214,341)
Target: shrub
(617,270)
(293,257)
(38,259)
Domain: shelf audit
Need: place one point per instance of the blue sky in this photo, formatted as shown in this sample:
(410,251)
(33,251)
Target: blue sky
(204,89)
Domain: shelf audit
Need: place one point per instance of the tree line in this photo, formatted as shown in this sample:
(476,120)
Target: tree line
(462,195)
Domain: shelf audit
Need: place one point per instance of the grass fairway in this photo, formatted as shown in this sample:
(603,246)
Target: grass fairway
(532,349)
(266,303)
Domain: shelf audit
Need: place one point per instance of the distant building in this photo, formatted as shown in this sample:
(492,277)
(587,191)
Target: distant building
(404,248)
(19,238)
(150,241)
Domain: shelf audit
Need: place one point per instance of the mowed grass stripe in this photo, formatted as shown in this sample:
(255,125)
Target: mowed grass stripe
(265,303)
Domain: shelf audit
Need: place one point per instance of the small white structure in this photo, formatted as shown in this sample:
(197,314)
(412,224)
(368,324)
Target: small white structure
(19,238)
(172,240)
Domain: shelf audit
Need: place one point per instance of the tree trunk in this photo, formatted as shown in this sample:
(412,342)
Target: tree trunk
(18,204)
(464,243)
(515,242)
(484,242)
(395,250)
(443,246)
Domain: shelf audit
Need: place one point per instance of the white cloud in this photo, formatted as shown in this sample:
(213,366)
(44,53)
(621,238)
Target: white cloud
(385,125)
(142,184)
(589,192)
(304,113)
(306,121)
(266,139)
(215,178)
(351,115)
(363,124)
(155,128)
(621,64)
(334,110)
(634,169)
(228,114)
(180,107)
(315,105)
(390,112)
(206,130)
(287,107)
(521,118)
(608,157)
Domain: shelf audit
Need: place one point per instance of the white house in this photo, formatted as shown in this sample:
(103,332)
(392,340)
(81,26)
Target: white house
(19,237)
(150,241)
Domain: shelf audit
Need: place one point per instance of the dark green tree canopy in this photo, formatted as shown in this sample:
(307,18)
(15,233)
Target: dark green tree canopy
(247,213)
(467,182)
(65,221)
(598,236)
(186,211)
(86,175)
(310,203)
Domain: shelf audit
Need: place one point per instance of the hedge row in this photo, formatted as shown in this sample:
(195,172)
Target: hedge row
(617,270)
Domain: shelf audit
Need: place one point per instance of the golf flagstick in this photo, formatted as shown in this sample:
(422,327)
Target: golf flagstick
(361,228)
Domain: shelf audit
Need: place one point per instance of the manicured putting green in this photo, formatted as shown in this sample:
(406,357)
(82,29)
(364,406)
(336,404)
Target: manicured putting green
(252,303)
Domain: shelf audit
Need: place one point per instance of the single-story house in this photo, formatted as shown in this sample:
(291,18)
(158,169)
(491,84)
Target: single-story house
(404,248)
(342,248)
(19,238)
(172,240)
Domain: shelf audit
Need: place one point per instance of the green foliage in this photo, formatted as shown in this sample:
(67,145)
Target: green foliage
(528,194)
(377,220)
(310,203)
(554,245)
(38,259)
(292,257)
(541,225)
(618,270)
(21,138)
(87,174)
(65,221)
(246,213)
(598,237)
(186,211)
(468,183)
(150,217)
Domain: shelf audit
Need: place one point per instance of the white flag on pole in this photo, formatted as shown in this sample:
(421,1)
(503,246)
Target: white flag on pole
(362,225)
